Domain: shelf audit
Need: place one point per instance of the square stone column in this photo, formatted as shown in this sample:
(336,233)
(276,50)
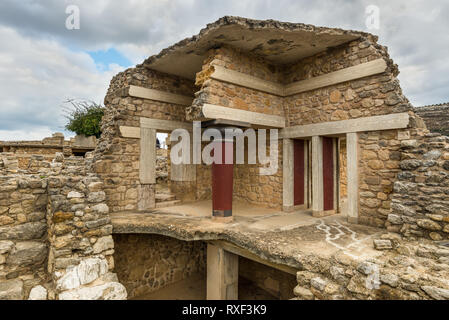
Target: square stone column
(317,176)
(352,147)
(287,175)
(222,274)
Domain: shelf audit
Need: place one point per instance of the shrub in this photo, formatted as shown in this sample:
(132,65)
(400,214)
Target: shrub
(84,117)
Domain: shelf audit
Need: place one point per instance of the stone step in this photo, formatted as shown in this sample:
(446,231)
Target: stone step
(160,197)
(165,204)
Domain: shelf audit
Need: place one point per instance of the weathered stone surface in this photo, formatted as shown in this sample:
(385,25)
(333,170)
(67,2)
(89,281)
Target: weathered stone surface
(26,231)
(91,269)
(436,293)
(428,224)
(318,283)
(101,208)
(390,279)
(61,216)
(11,289)
(107,291)
(96,196)
(103,244)
(74,194)
(303,293)
(6,246)
(27,253)
(410,164)
(38,293)
(382,244)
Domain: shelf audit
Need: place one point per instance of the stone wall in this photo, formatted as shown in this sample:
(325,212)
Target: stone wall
(375,95)
(405,271)
(117,158)
(146,263)
(436,117)
(47,148)
(55,233)
(420,202)
(23,236)
(277,283)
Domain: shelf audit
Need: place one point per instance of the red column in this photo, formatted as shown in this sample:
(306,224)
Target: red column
(222,184)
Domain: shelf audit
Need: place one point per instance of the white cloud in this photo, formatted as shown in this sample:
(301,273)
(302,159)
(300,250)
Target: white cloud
(36,76)
(42,63)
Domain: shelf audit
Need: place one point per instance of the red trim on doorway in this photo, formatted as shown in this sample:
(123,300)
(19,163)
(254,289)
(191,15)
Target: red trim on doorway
(298,172)
(328,173)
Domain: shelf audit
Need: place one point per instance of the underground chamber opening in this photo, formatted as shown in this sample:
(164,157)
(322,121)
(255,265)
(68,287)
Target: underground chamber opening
(154,267)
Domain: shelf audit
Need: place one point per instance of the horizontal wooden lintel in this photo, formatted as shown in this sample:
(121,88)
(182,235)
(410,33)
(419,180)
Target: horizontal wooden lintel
(375,123)
(347,74)
(159,95)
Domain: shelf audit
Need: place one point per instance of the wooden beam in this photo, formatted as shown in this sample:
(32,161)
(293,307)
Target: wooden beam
(165,125)
(147,165)
(158,95)
(251,256)
(375,123)
(245,80)
(130,132)
(352,73)
(212,111)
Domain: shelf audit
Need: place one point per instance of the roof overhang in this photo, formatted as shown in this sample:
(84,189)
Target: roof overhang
(278,42)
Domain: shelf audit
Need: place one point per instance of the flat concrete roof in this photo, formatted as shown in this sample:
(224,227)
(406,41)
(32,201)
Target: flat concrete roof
(290,239)
(279,42)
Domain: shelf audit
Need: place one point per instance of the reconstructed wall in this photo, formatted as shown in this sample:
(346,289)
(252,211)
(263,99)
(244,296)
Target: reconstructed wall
(146,263)
(117,158)
(249,185)
(420,202)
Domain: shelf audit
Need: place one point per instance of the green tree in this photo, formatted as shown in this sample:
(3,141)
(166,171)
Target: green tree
(84,117)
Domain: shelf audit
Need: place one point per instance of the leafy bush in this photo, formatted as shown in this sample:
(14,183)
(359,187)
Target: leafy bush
(84,117)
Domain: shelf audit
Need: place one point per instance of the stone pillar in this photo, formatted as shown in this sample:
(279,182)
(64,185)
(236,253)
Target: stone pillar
(147,169)
(287,194)
(352,176)
(317,176)
(222,183)
(222,274)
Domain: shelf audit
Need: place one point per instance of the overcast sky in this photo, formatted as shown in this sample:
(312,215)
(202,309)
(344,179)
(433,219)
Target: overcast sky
(42,63)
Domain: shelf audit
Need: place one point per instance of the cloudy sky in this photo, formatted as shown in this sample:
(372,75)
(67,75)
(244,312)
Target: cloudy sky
(42,63)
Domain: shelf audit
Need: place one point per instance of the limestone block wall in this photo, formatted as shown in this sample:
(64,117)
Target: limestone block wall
(234,96)
(375,95)
(146,263)
(23,236)
(420,201)
(117,158)
(408,271)
(55,232)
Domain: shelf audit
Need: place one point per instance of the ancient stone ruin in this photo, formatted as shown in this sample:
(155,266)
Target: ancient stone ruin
(357,207)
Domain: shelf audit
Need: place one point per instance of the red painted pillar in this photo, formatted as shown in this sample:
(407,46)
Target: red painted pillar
(222,183)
